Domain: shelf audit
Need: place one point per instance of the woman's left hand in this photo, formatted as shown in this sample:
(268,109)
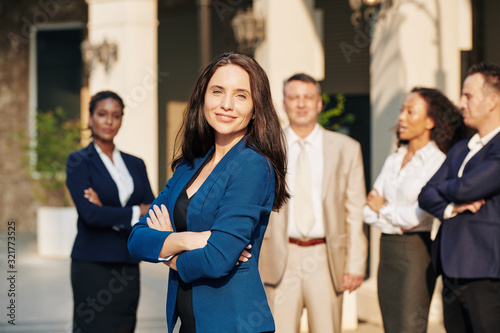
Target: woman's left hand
(159,219)
(245,255)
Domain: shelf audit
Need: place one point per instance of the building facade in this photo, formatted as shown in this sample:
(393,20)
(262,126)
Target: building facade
(156,48)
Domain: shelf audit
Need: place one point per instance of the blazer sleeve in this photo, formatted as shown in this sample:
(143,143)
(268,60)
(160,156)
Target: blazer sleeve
(369,216)
(248,197)
(430,199)
(481,182)
(78,178)
(145,243)
(355,199)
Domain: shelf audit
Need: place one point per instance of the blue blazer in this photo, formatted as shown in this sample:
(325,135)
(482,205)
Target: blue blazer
(234,203)
(103,231)
(467,245)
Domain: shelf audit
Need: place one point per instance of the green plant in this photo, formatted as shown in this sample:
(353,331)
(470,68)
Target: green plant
(333,116)
(57,136)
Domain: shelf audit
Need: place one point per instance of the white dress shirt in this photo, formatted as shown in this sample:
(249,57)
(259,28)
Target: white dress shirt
(476,143)
(314,150)
(123,180)
(400,188)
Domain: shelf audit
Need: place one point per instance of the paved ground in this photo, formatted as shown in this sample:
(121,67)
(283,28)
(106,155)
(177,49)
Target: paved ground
(43,293)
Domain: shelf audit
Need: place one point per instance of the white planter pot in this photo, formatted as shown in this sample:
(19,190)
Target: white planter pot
(56,231)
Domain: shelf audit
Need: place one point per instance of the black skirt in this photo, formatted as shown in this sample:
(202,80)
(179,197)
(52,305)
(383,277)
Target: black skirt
(405,282)
(105,296)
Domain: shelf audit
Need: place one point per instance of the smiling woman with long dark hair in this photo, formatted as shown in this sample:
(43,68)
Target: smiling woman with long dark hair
(229,176)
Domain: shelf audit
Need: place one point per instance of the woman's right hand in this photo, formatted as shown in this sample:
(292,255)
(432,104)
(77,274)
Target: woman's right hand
(375,201)
(176,242)
(92,196)
(159,219)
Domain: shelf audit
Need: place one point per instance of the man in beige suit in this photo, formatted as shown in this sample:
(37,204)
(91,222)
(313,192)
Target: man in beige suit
(315,247)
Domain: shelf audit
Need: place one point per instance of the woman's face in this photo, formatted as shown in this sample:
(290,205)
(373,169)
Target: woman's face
(106,119)
(413,121)
(228,104)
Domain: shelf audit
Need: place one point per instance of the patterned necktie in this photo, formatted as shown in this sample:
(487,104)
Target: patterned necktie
(304,218)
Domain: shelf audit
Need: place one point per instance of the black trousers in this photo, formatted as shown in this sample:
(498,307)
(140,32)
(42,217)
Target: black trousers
(471,305)
(105,296)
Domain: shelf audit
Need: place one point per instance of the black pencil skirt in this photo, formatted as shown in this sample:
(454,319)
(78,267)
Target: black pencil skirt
(406,282)
(105,296)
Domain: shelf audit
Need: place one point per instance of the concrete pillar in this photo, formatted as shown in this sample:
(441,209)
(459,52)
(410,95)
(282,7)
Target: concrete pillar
(415,43)
(133,26)
(293,42)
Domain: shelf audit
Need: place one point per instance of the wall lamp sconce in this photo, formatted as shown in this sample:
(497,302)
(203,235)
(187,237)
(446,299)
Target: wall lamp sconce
(248,30)
(368,10)
(104,53)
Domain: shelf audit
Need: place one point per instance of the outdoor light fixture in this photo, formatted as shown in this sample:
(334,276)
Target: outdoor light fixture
(367,10)
(248,30)
(371,2)
(104,53)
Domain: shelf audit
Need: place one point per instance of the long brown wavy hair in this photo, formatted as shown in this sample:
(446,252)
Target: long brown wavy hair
(448,123)
(264,133)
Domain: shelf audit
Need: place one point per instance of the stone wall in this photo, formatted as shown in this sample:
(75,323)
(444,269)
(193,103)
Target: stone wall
(18,198)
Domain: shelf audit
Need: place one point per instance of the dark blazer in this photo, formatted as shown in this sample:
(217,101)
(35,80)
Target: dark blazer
(103,231)
(467,245)
(234,203)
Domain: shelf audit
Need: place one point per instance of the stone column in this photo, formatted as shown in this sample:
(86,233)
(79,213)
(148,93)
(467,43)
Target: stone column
(133,26)
(415,43)
(293,42)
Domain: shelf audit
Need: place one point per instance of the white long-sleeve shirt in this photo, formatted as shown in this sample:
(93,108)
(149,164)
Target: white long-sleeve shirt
(314,150)
(400,188)
(123,180)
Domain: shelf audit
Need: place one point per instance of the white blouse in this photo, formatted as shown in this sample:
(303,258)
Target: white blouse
(123,180)
(400,188)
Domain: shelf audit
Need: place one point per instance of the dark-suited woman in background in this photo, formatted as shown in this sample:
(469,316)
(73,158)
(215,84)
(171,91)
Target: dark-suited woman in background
(111,191)
(228,177)
(428,125)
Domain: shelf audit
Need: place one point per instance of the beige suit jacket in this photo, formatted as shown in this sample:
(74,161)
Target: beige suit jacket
(343,198)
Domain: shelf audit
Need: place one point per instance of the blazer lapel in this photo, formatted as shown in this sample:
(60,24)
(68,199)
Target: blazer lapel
(103,172)
(480,155)
(199,198)
(132,168)
(184,178)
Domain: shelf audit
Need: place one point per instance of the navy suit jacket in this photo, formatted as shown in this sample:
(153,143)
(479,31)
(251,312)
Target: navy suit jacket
(234,203)
(467,245)
(103,231)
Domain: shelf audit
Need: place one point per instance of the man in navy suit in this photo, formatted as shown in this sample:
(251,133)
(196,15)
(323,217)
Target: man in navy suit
(465,195)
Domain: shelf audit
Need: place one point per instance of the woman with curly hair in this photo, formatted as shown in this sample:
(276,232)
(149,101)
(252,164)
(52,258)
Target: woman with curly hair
(428,125)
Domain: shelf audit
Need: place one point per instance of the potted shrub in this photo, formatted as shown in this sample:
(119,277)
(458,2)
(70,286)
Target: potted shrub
(57,136)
